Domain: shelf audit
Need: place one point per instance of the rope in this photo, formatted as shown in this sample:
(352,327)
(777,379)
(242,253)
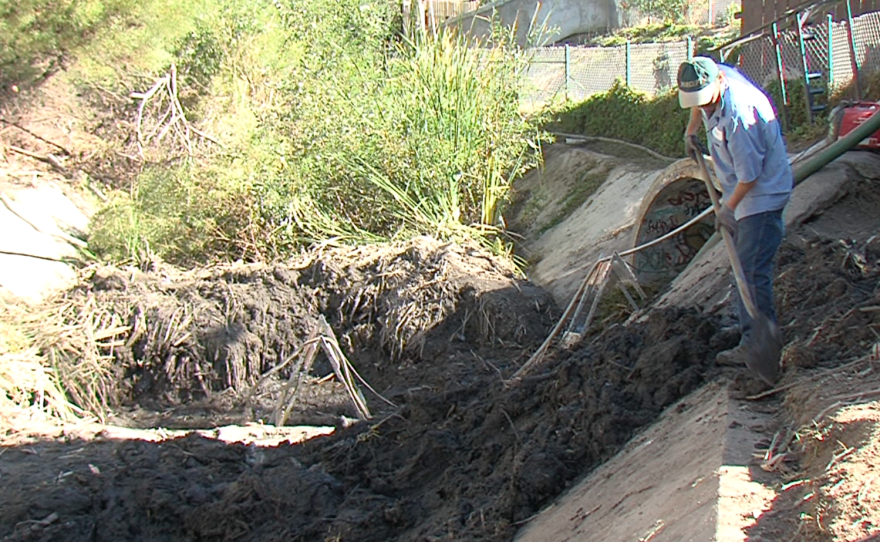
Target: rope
(617,142)
(539,354)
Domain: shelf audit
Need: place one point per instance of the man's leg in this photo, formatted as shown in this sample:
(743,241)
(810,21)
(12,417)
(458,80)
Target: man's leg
(757,239)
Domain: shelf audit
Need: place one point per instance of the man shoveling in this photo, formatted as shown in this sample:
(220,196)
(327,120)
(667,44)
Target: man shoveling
(752,168)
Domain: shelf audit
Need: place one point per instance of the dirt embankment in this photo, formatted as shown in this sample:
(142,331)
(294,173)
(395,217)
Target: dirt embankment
(433,328)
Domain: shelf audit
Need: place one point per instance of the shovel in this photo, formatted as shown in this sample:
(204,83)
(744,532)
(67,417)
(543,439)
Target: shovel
(764,349)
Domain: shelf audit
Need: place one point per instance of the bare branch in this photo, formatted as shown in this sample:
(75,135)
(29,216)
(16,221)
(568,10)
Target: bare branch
(44,140)
(172,121)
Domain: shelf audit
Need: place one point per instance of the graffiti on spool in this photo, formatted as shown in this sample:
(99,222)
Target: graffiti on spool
(676,204)
(658,227)
(689,202)
(676,252)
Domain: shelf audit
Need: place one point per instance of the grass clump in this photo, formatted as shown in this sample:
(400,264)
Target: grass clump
(648,33)
(626,114)
(586,186)
(29,387)
(57,359)
(706,37)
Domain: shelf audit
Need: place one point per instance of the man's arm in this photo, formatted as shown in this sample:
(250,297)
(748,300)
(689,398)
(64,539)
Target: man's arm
(694,122)
(725,217)
(692,145)
(739,193)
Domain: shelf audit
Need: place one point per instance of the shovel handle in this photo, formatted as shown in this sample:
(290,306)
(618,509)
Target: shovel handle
(741,284)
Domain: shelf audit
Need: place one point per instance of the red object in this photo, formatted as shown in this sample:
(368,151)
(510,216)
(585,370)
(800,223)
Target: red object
(853,116)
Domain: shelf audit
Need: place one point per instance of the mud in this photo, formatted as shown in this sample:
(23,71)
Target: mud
(436,329)
(477,461)
(827,284)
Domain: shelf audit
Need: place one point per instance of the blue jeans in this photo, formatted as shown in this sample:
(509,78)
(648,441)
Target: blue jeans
(757,238)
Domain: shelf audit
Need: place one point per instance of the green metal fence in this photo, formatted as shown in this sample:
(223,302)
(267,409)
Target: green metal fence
(576,72)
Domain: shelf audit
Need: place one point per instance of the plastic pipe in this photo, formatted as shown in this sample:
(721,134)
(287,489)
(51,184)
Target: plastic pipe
(816,162)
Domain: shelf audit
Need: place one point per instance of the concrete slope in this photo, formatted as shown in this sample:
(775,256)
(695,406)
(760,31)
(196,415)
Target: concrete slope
(567,222)
(690,476)
(685,479)
(42,230)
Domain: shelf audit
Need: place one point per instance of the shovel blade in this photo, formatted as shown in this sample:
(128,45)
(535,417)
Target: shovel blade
(765,350)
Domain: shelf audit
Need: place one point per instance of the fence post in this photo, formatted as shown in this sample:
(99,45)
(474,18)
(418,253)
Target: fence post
(852,50)
(567,70)
(628,74)
(830,77)
(690,48)
(780,73)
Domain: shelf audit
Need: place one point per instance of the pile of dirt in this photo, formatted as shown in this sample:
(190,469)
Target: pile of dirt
(207,336)
(436,329)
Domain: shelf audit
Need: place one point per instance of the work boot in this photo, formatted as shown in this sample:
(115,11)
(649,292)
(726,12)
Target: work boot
(744,385)
(725,337)
(735,357)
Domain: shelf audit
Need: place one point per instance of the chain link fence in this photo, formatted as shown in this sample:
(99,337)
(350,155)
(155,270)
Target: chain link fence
(576,72)
(828,55)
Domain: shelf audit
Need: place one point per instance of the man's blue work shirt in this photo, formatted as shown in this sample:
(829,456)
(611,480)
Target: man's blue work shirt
(745,142)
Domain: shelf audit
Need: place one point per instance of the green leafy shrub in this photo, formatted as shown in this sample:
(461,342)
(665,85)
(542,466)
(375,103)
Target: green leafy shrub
(200,54)
(334,129)
(36,35)
(142,40)
(706,38)
(629,115)
(180,214)
(794,114)
(658,123)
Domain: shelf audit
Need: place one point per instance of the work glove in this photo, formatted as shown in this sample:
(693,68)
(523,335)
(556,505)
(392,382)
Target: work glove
(725,218)
(692,146)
